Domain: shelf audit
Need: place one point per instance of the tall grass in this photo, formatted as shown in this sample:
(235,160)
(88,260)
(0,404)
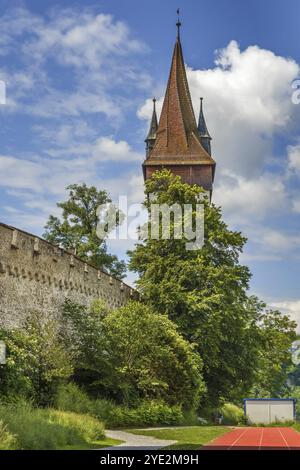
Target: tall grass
(7,440)
(46,428)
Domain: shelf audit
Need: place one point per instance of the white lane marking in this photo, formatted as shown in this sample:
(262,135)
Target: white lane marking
(231,445)
(284,439)
(261,438)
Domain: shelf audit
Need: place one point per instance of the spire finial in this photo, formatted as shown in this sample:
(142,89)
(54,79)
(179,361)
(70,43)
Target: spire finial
(154,104)
(178,24)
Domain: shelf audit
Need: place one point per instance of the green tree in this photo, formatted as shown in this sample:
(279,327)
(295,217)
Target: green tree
(132,353)
(205,292)
(77,229)
(277,333)
(36,360)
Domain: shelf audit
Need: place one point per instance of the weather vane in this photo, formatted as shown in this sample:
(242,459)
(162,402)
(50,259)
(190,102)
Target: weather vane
(178,24)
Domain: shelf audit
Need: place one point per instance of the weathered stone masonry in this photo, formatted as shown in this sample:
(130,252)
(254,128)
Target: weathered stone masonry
(36,275)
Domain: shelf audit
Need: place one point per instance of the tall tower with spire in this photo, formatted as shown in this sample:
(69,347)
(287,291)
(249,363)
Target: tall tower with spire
(176,142)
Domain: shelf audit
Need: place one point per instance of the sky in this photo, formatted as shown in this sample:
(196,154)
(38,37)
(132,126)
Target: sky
(80,77)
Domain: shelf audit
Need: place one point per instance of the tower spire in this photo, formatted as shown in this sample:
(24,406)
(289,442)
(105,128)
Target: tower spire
(178,24)
(151,137)
(176,143)
(203,131)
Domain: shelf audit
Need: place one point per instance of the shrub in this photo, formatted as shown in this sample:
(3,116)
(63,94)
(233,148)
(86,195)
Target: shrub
(7,440)
(150,413)
(70,397)
(36,360)
(132,354)
(147,413)
(232,414)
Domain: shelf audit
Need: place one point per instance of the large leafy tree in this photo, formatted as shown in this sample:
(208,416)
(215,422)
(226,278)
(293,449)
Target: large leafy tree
(77,229)
(131,354)
(205,292)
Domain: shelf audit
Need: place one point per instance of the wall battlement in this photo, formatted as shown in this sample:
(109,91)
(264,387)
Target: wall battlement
(36,275)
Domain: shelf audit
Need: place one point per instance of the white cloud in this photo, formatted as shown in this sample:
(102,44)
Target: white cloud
(72,36)
(270,244)
(244,199)
(294,158)
(109,150)
(95,47)
(21,174)
(72,164)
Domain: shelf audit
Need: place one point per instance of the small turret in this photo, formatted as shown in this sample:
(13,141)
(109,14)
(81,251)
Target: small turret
(151,137)
(205,137)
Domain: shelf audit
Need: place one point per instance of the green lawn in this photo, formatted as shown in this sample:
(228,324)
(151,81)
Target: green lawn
(190,437)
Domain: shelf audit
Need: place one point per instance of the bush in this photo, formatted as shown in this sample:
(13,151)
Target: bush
(150,413)
(7,440)
(232,414)
(147,413)
(69,397)
(132,354)
(45,429)
(36,361)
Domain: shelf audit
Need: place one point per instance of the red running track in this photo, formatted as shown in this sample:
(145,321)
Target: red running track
(257,439)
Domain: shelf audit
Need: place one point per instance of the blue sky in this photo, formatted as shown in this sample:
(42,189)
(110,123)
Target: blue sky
(80,77)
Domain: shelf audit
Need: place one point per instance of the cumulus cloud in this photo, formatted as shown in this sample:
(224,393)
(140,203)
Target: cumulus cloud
(96,47)
(75,37)
(243,199)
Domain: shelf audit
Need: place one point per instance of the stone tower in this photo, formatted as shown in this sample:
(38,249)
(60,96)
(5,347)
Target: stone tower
(176,142)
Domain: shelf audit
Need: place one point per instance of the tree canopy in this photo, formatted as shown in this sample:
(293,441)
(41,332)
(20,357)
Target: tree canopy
(205,292)
(77,230)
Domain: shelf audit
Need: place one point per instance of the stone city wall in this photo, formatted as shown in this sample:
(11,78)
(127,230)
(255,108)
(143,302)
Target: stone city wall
(38,276)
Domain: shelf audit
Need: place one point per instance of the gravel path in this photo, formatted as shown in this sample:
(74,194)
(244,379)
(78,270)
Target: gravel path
(134,442)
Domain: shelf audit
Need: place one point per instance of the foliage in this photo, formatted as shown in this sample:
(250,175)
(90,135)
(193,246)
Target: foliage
(147,413)
(36,360)
(294,392)
(232,414)
(46,428)
(7,440)
(205,292)
(83,336)
(91,429)
(274,355)
(132,354)
(69,397)
(78,228)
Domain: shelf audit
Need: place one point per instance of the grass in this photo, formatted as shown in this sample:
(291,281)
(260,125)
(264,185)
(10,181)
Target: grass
(296,426)
(188,438)
(107,442)
(25,427)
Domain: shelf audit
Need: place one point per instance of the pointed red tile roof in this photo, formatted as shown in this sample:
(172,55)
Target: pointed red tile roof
(177,137)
